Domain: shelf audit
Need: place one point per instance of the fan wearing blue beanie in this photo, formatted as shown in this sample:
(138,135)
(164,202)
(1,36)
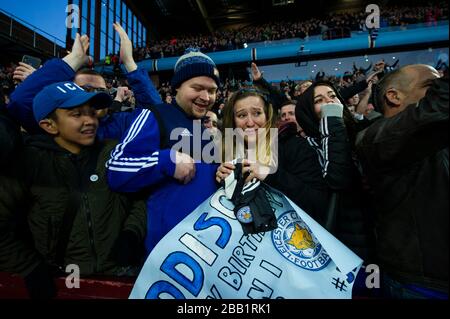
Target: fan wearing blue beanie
(146,158)
(192,64)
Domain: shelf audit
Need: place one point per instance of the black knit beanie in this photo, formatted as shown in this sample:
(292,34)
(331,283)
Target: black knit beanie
(192,64)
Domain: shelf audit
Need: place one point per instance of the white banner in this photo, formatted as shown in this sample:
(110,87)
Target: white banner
(208,256)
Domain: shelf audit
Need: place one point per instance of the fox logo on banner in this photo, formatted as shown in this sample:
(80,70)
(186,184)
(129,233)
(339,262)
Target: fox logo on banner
(208,256)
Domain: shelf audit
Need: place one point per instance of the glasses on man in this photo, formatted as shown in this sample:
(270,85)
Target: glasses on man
(89,88)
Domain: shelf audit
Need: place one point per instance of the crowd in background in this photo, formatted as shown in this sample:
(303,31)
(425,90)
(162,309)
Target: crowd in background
(289,88)
(127,175)
(272,31)
(6,79)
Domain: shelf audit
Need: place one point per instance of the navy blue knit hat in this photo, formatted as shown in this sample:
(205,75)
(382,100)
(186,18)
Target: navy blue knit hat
(192,64)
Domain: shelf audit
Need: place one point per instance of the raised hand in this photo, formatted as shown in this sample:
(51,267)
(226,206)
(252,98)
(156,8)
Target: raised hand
(78,56)
(23,71)
(126,48)
(256,73)
(372,77)
(80,47)
(123,93)
(379,66)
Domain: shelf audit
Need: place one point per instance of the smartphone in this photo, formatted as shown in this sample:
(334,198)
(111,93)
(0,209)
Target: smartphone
(31,60)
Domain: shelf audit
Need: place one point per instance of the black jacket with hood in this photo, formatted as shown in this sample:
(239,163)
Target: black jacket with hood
(298,174)
(346,213)
(35,191)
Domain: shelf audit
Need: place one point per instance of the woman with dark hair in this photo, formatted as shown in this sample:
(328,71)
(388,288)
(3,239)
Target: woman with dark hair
(331,131)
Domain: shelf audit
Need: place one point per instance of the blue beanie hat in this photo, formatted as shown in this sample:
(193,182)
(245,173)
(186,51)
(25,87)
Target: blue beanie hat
(192,64)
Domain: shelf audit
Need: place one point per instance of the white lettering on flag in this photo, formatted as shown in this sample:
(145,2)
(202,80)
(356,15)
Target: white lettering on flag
(207,256)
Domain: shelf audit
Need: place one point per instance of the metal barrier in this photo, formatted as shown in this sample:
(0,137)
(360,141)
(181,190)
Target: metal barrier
(24,33)
(357,41)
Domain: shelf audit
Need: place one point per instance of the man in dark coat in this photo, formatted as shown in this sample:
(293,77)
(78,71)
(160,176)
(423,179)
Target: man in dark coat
(406,158)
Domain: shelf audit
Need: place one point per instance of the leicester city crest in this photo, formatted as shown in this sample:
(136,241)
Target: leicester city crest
(294,240)
(244,215)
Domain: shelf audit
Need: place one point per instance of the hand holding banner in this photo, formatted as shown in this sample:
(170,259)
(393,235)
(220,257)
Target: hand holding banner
(208,256)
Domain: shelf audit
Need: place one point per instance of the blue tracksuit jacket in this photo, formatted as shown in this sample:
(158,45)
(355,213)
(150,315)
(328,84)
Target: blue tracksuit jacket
(56,70)
(138,163)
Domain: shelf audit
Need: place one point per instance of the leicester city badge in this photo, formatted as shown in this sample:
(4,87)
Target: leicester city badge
(294,241)
(244,215)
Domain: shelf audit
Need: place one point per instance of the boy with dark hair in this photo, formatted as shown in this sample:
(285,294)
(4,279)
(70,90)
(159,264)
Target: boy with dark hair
(59,182)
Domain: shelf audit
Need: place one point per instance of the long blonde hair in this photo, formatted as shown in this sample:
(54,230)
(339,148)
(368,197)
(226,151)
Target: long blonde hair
(228,122)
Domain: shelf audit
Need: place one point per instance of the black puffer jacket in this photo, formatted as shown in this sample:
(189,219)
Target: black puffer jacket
(406,157)
(346,214)
(37,188)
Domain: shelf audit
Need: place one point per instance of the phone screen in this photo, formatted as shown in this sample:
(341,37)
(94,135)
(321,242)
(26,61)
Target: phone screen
(31,60)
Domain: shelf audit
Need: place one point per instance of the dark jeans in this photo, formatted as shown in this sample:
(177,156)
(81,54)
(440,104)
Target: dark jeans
(393,289)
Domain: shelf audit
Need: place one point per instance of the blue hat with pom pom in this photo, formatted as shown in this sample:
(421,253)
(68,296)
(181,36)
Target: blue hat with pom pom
(192,64)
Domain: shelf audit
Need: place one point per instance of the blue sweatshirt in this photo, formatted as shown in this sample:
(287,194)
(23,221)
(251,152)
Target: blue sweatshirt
(138,163)
(56,70)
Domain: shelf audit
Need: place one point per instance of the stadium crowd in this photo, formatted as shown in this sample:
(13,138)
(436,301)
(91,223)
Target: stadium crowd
(273,31)
(88,174)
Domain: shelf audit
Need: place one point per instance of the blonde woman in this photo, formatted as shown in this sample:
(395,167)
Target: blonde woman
(249,117)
